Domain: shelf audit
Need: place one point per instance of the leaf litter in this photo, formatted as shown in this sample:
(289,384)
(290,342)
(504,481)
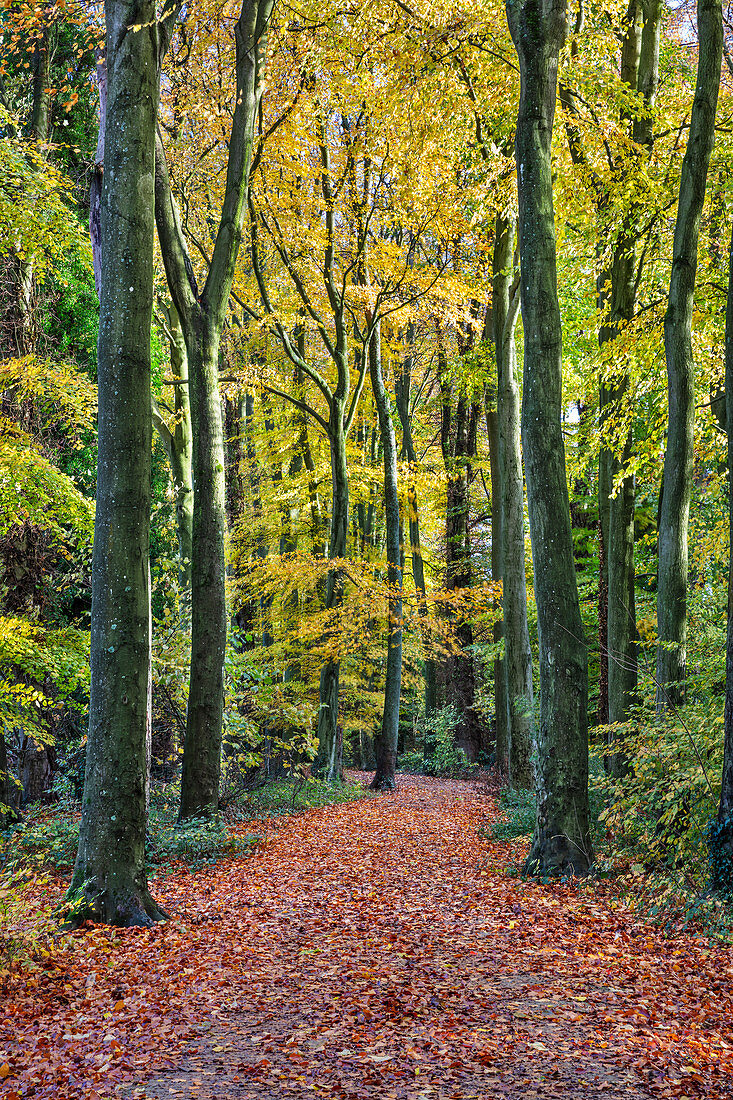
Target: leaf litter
(375,948)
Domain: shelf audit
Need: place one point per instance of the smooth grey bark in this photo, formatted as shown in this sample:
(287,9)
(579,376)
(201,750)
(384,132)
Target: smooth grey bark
(203,318)
(678,459)
(721,838)
(178,444)
(109,882)
(501,717)
(458,441)
(561,842)
(386,743)
(402,403)
(639,70)
(519,694)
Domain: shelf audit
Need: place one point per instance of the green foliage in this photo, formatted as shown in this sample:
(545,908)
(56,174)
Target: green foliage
(31,654)
(295,794)
(36,205)
(439,754)
(197,842)
(517,818)
(656,816)
(23,943)
(69,313)
(267,724)
(33,490)
(50,839)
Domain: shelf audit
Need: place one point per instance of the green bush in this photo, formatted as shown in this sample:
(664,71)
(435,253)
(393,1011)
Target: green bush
(197,842)
(518,811)
(51,841)
(654,820)
(439,755)
(293,795)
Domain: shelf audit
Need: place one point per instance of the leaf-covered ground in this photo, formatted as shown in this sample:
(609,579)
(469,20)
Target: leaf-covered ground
(375,949)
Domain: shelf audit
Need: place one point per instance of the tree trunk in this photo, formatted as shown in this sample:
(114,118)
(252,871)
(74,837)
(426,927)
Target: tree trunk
(328,761)
(678,459)
(517,651)
(203,318)
(110,880)
(8,815)
(386,746)
(178,447)
(721,835)
(561,842)
(95,183)
(457,439)
(639,70)
(618,504)
(402,402)
(497,558)
(204,716)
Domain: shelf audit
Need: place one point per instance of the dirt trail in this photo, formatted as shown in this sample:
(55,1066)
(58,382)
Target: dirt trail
(383,952)
(376,949)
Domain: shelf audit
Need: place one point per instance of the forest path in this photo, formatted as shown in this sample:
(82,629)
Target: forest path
(379,950)
(374,949)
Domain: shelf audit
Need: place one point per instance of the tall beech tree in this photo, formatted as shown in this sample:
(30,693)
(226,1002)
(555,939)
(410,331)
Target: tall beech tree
(617,288)
(639,71)
(403,384)
(517,663)
(674,511)
(341,400)
(109,882)
(202,317)
(176,436)
(501,716)
(386,742)
(721,835)
(460,406)
(561,840)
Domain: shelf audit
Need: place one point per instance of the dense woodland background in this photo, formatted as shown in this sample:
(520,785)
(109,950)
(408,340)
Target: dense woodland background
(339,395)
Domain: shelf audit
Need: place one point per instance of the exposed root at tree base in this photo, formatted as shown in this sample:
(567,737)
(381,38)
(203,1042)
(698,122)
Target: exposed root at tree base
(128,909)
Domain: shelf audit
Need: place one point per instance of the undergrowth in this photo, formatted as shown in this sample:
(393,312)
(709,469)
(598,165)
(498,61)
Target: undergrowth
(436,753)
(48,837)
(292,796)
(516,817)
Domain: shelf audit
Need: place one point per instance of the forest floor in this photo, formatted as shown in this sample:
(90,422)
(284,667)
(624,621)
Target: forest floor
(374,949)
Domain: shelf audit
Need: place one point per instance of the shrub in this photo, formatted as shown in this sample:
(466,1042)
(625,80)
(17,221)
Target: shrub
(439,756)
(293,795)
(51,841)
(656,817)
(199,841)
(518,811)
